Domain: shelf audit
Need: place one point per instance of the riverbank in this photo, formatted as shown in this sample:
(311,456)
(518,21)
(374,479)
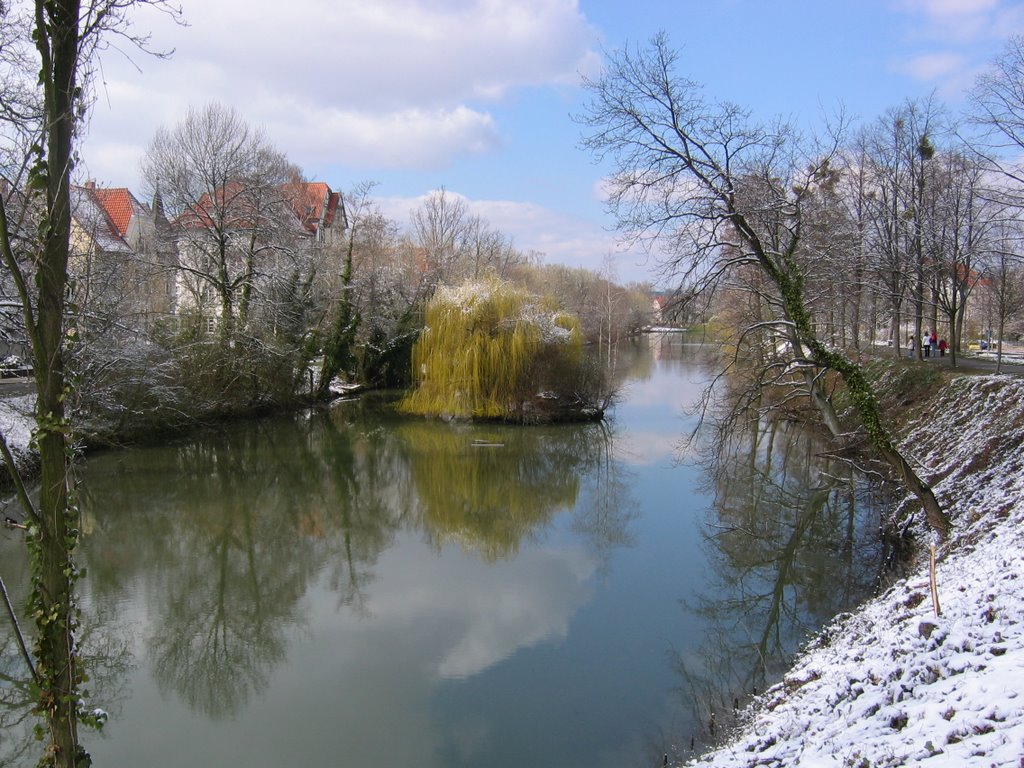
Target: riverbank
(895,684)
(16,424)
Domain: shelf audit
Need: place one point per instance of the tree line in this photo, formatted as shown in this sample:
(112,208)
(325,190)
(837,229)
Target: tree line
(248,293)
(902,226)
(809,246)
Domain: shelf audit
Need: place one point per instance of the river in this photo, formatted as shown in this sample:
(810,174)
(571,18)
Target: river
(347,587)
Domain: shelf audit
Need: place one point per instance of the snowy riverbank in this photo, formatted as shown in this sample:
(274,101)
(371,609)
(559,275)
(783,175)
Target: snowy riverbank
(16,424)
(894,684)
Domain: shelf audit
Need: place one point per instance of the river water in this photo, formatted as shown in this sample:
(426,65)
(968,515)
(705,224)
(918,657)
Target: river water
(347,587)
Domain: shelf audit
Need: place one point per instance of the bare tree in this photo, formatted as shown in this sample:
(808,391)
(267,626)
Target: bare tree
(457,245)
(856,198)
(486,251)
(997,111)
(20,116)
(961,224)
(898,152)
(439,228)
(1004,278)
(226,190)
(66,36)
(719,193)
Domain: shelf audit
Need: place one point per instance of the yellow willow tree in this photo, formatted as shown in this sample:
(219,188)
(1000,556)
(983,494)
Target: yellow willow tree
(488,501)
(492,351)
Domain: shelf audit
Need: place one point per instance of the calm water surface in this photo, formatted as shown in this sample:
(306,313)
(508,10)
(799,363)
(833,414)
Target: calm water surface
(352,588)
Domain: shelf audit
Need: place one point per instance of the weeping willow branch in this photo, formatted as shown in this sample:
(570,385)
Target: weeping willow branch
(488,350)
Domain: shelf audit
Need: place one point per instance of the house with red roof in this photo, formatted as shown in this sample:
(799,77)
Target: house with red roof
(236,241)
(123,255)
(131,261)
(320,210)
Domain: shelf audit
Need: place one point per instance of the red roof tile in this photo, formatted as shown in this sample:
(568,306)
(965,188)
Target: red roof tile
(118,204)
(314,204)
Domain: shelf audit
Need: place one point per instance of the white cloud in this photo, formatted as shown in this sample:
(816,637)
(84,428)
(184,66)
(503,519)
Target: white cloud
(574,241)
(950,8)
(932,66)
(407,83)
(956,17)
(957,35)
(387,55)
(956,21)
(409,138)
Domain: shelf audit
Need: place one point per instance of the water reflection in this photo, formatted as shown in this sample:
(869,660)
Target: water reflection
(348,587)
(228,532)
(794,540)
(488,488)
(608,505)
(16,721)
(215,545)
(105,654)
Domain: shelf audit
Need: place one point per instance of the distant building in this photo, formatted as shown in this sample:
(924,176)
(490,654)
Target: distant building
(320,210)
(658,310)
(237,240)
(123,256)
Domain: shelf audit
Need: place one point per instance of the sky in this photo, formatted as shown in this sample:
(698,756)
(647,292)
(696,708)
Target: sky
(478,96)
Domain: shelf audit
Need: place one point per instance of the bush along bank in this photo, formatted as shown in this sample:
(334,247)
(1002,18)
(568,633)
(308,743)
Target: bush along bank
(910,679)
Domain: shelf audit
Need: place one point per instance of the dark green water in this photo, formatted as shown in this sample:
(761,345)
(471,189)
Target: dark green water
(351,588)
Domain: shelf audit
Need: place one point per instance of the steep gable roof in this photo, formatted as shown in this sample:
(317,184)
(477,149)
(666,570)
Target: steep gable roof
(120,205)
(95,221)
(316,205)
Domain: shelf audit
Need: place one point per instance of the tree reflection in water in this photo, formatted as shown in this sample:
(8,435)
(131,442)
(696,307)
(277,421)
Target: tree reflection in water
(105,657)
(489,488)
(16,719)
(793,541)
(607,506)
(226,532)
(235,527)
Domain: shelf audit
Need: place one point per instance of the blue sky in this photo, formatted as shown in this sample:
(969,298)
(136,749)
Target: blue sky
(477,95)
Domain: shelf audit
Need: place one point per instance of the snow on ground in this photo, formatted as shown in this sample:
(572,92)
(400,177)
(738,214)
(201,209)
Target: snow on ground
(16,424)
(894,684)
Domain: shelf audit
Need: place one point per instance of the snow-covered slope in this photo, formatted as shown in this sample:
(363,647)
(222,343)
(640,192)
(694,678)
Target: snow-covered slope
(16,423)
(894,684)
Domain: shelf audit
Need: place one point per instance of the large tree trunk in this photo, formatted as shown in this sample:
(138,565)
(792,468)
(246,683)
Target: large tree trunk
(866,404)
(789,279)
(56,531)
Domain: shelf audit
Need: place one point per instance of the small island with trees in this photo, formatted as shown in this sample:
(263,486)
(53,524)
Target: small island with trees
(243,287)
(491,351)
